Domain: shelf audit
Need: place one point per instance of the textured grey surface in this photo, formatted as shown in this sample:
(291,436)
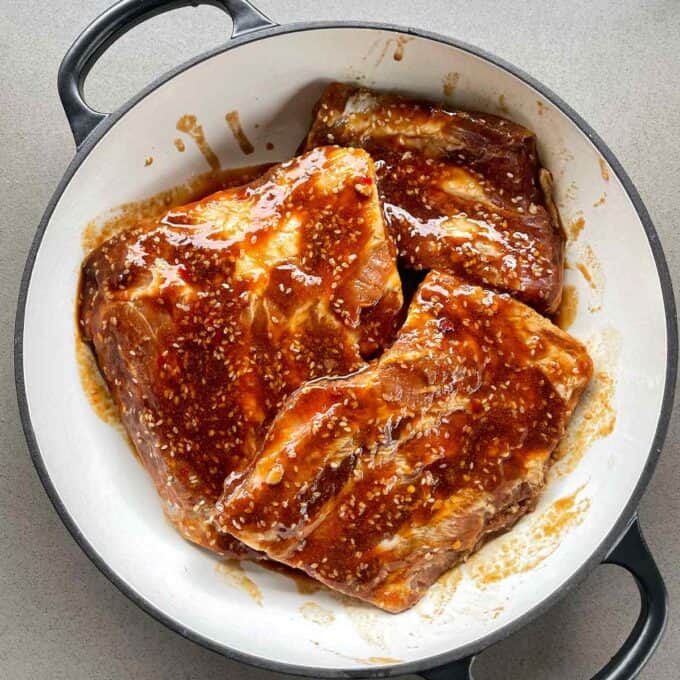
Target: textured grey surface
(616,63)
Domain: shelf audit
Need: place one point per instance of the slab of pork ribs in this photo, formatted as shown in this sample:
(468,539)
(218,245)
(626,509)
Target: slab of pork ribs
(203,321)
(378,482)
(462,191)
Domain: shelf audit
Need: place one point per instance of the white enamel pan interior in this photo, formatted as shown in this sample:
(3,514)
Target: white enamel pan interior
(107,499)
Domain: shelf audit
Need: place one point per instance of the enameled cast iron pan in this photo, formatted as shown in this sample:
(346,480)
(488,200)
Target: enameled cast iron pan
(273,75)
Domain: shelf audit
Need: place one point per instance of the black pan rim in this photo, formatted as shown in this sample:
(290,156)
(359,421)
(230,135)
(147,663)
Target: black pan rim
(427,663)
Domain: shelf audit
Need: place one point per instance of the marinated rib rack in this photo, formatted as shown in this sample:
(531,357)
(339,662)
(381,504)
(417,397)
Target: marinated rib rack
(204,321)
(378,482)
(461,191)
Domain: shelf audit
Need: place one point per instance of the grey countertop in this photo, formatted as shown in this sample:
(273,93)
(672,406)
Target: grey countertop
(615,62)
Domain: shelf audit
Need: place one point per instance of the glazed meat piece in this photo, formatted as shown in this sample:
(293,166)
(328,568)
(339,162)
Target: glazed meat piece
(203,321)
(462,191)
(378,482)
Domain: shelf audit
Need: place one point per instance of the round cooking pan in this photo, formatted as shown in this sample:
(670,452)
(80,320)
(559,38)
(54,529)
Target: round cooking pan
(272,76)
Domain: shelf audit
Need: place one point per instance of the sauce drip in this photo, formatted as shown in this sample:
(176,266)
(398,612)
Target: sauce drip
(604,170)
(502,105)
(233,570)
(576,227)
(401,41)
(190,125)
(583,268)
(449,83)
(234,122)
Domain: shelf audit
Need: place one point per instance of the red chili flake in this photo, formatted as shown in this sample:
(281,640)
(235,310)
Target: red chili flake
(446,326)
(183,272)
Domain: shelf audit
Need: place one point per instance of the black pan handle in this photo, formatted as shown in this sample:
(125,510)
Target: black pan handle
(111,25)
(631,553)
(456,670)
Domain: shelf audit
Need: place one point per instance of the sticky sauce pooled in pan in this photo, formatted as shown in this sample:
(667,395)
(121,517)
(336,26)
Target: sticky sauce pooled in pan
(518,553)
(94,387)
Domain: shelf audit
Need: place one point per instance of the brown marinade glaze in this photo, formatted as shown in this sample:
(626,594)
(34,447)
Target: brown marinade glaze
(204,320)
(461,191)
(378,482)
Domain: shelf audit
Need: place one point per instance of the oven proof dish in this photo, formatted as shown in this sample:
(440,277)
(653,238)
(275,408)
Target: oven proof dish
(104,496)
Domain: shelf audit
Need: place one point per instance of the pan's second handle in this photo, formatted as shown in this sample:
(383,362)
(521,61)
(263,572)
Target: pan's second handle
(631,553)
(110,26)
(456,670)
